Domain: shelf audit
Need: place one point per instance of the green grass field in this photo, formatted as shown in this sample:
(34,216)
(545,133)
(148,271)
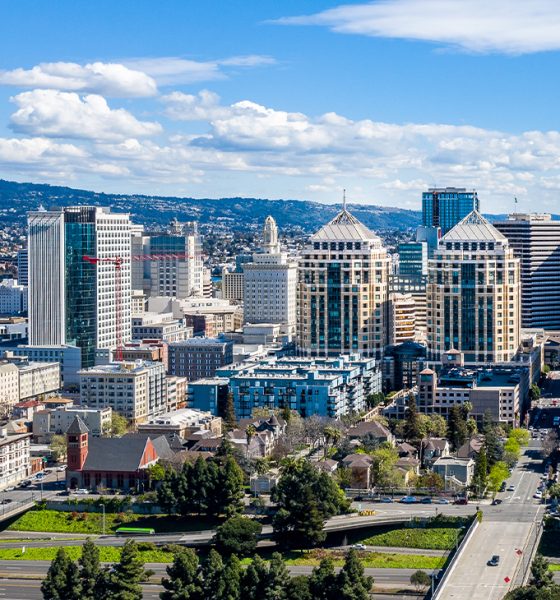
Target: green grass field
(92,523)
(374,560)
(436,538)
(106,554)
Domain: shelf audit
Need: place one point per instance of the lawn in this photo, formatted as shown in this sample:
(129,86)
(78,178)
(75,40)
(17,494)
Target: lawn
(106,554)
(554,567)
(434,538)
(92,523)
(374,560)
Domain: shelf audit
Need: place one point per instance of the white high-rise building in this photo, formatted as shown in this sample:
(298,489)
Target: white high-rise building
(73,301)
(343,290)
(174,267)
(270,283)
(473,295)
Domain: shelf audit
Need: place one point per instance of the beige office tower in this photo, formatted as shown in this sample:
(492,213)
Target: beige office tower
(473,294)
(402,319)
(343,291)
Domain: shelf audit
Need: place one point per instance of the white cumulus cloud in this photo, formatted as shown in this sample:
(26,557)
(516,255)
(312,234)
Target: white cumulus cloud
(107,79)
(474,25)
(51,113)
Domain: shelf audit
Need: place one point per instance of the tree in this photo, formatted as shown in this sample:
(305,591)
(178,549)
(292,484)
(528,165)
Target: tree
(278,578)
(534,392)
(457,427)
(333,435)
(383,466)
(183,581)
(238,535)
(541,575)
(230,420)
(375,399)
(497,475)
(58,447)
(472,427)
(323,582)
(412,422)
(90,570)
(554,491)
(352,583)
(480,472)
(551,592)
(255,580)
(298,588)
(119,425)
(214,584)
(420,579)
(232,579)
(436,426)
(305,497)
(156,473)
(494,448)
(123,581)
(430,480)
(229,490)
(62,581)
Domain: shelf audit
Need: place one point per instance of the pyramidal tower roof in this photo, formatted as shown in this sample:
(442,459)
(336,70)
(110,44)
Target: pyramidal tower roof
(344,226)
(77,427)
(474,227)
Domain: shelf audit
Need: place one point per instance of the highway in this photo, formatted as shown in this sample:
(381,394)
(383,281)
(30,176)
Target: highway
(503,531)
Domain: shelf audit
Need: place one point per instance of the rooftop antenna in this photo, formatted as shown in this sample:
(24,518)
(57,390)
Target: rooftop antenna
(515,204)
(344,199)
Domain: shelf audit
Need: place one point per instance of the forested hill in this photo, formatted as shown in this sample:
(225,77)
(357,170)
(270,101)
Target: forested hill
(237,213)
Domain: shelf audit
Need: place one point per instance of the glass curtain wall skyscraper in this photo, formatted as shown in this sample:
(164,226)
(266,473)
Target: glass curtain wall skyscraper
(445,207)
(72,301)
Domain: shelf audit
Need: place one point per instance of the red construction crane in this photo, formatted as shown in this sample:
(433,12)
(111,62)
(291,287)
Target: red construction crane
(118,262)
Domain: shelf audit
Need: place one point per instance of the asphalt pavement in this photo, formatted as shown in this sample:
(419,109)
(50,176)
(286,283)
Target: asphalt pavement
(504,531)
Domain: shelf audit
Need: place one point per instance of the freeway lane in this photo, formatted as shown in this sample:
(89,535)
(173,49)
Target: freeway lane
(502,531)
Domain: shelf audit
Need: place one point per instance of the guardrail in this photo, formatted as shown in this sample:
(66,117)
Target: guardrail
(451,567)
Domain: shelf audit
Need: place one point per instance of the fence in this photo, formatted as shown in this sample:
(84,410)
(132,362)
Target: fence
(523,569)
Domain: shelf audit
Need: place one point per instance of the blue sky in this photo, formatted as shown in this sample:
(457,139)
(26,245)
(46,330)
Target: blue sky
(284,99)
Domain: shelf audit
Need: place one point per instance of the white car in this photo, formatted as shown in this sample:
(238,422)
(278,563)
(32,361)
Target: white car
(82,492)
(61,469)
(359,547)
(537,494)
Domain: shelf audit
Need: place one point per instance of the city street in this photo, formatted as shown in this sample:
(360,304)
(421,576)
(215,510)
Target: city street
(504,531)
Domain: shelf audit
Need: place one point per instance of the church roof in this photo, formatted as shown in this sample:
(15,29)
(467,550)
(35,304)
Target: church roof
(344,226)
(77,427)
(474,227)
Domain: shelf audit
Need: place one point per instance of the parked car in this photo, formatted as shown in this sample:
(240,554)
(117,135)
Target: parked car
(442,501)
(25,484)
(359,547)
(426,501)
(494,561)
(503,487)
(10,489)
(61,469)
(496,501)
(386,500)
(461,501)
(358,498)
(511,488)
(82,492)
(408,500)
(537,494)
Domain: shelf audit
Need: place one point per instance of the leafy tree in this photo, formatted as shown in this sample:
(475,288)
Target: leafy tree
(412,422)
(156,473)
(229,488)
(480,471)
(214,584)
(298,588)
(58,447)
(119,425)
(521,436)
(541,575)
(305,498)
(123,581)
(383,467)
(375,399)
(90,570)
(232,579)
(62,581)
(494,448)
(333,435)
(323,581)
(183,581)
(554,490)
(229,418)
(497,475)
(551,592)
(457,427)
(352,583)
(278,578)
(430,480)
(420,579)
(255,580)
(534,392)
(238,535)
(436,426)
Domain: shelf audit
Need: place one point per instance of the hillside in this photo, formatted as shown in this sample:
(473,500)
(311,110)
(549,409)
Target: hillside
(236,213)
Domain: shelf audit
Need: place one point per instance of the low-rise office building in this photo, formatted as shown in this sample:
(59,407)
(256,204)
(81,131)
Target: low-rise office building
(198,358)
(47,423)
(182,423)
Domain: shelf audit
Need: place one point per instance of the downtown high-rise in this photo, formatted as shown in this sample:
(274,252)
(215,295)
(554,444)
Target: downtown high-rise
(343,291)
(535,239)
(473,294)
(445,207)
(73,301)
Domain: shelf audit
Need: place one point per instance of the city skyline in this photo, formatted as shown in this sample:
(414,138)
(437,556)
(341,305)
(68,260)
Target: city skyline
(268,100)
